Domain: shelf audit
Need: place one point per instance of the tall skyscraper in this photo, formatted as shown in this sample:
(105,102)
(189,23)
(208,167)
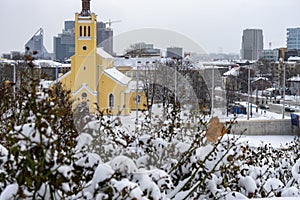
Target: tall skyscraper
(292,43)
(36,43)
(252,44)
(105,37)
(64,43)
(293,39)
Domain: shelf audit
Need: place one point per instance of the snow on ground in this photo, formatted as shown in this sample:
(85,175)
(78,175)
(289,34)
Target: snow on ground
(138,180)
(279,198)
(255,141)
(273,140)
(261,114)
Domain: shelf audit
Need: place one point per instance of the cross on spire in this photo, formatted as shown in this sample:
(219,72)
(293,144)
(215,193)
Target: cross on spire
(85,8)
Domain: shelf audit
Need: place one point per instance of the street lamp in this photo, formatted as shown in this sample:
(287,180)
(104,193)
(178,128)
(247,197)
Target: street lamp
(137,93)
(14,80)
(212,90)
(56,77)
(175,88)
(248,106)
(283,106)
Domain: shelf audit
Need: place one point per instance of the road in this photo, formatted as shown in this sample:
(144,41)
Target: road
(276,108)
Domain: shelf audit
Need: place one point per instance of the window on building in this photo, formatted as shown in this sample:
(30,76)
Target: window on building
(84,32)
(138,99)
(111,101)
(84,95)
(89,31)
(80,31)
(84,48)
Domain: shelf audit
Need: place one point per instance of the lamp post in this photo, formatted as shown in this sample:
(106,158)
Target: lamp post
(56,77)
(175,92)
(256,100)
(137,93)
(146,84)
(14,81)
(281,62)
(248,106)
(212,90)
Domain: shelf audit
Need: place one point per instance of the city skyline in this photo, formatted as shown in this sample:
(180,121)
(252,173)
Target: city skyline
(216,26)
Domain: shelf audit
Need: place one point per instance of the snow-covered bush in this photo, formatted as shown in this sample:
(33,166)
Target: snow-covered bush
(38,139)
(272,169)
(43,154)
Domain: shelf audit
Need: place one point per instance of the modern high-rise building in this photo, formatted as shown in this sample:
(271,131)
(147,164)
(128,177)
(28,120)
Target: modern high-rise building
(105,37)
(270,55)
(36,44)
(174,52)
(252,44)
(64,43)
(292,43)
(293,39)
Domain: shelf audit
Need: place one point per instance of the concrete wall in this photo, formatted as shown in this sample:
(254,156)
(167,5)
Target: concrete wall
(266,127)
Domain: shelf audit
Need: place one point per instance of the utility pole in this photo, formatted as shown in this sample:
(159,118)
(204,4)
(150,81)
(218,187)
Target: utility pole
(248,106)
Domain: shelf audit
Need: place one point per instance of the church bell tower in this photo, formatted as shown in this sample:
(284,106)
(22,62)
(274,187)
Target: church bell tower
(84,60)
(85,30)
(85,8)
(85,37)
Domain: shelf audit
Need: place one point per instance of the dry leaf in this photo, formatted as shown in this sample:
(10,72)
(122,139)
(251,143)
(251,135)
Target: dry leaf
(215,130)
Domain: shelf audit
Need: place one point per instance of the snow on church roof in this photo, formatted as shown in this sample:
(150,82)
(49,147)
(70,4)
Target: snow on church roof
(103,53)
(233,72)
(117,75)
(50,63)
(294,79)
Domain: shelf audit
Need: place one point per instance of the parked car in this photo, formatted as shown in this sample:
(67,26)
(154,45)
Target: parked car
(289,109)
(264,106)
(237,109)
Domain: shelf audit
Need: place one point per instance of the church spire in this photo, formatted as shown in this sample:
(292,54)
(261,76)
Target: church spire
(85,8)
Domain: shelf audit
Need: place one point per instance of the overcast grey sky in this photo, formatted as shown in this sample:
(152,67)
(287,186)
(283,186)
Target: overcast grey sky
(216,25)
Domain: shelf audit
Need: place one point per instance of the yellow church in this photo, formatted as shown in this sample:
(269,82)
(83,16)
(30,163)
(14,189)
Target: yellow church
(93,78)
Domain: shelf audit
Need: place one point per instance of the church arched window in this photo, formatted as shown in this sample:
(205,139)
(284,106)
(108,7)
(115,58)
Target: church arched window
(89,31)
(111,100)
(84,32)
(138,99)
(80,31)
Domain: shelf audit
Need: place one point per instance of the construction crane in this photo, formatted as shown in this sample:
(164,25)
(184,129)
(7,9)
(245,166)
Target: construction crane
(110,22)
